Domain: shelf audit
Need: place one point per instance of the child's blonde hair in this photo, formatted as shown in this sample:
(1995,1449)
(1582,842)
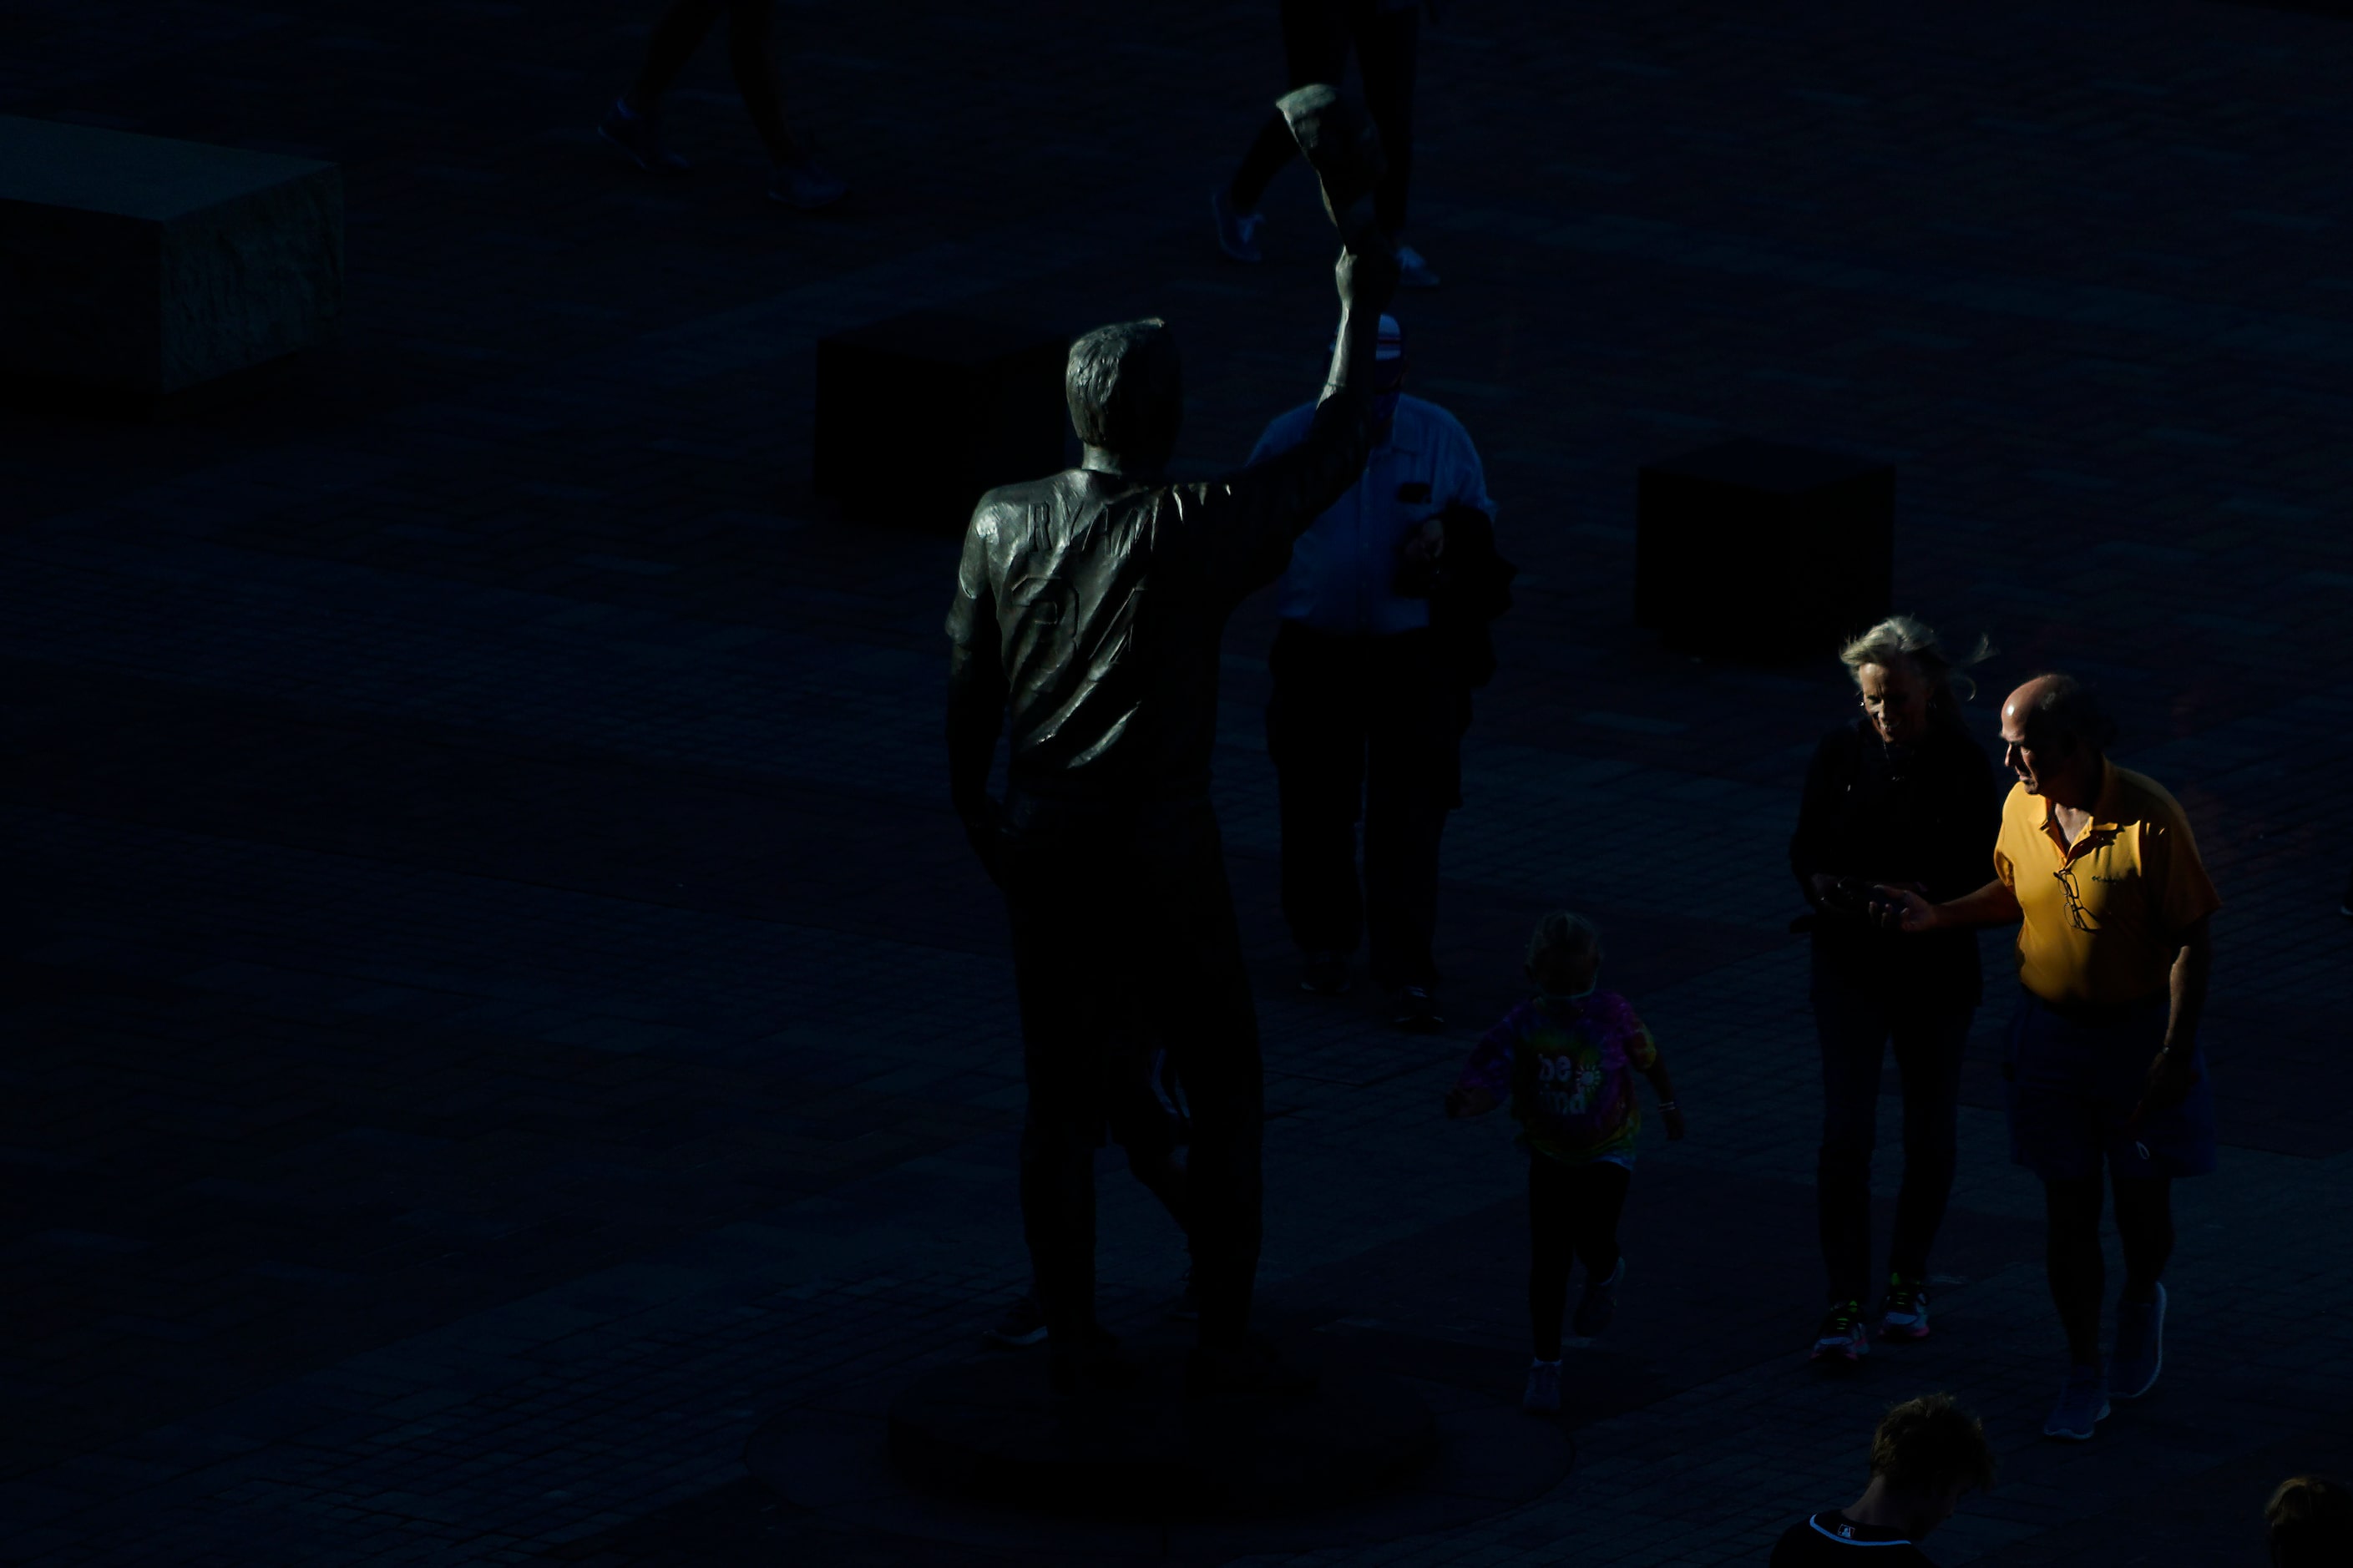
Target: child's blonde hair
(1560,939)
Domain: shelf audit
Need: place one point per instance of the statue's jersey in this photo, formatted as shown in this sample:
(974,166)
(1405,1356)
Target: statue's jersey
(1099,601)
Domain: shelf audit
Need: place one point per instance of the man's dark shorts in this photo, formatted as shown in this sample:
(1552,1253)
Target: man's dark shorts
(2074,1083)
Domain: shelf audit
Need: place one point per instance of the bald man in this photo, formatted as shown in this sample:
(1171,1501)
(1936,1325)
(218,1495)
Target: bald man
(2097,865)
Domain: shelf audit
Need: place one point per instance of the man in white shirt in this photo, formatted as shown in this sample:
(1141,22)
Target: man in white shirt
(1370,705)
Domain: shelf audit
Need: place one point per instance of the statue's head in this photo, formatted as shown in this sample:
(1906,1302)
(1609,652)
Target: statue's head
(1126,392)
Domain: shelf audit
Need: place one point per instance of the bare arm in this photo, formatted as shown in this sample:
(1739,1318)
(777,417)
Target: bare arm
(1670,1112)
(2175,1068)
(1900,909)
(2187,982)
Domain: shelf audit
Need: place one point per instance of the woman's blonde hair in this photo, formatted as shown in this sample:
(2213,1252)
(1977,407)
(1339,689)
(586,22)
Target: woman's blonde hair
(1904,637)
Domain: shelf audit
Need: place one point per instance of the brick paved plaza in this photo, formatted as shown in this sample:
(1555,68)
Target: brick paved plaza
(499,1012)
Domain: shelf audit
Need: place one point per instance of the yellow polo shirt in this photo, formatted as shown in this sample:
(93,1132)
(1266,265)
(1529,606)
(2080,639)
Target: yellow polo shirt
(2102,919)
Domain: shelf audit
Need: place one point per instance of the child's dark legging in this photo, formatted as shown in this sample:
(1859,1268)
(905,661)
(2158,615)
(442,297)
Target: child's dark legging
(1572,1211)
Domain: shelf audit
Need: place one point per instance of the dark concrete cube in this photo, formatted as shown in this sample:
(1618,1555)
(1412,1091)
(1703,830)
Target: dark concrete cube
(919,415)
(139,266)
(1758,548)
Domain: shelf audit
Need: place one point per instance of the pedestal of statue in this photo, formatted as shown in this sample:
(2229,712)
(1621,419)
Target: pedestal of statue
(991,1430)
(1760,549)
(919,415)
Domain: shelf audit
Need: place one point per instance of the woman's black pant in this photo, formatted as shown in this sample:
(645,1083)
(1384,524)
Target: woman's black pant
(1572,1213)
(1316,35)
(1856,1027)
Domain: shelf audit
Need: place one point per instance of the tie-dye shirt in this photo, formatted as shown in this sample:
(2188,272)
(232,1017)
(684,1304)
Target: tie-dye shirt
(1569,1067)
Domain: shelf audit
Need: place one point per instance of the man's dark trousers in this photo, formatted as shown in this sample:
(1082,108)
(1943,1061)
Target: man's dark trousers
(1122,912)
(1365,728)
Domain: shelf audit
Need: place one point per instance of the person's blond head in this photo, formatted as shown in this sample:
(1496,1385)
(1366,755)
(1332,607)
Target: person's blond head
(2308,1523)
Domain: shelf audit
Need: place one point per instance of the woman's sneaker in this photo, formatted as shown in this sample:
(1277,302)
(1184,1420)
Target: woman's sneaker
(1543,1395)
(1598,1304)
(2082,1405)
(2139,1354)
(1846,1337)
(1905,1316)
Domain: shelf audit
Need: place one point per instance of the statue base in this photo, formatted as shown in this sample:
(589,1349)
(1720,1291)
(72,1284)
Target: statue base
(992,1430)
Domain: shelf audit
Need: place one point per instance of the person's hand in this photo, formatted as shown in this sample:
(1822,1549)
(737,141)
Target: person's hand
(1673,1121)
(1462,1101)
(1901,909)
(2170,1079)
(1367,270)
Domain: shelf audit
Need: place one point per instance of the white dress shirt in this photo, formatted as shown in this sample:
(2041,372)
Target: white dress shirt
(1343,574)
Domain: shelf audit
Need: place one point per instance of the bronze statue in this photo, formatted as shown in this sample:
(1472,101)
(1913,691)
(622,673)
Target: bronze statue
(1089,608)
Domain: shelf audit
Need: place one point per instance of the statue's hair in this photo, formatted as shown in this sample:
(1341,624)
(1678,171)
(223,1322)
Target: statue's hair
(2066,707)
(1126,386)
(1925,1445)
(1902,637)
(1563,938)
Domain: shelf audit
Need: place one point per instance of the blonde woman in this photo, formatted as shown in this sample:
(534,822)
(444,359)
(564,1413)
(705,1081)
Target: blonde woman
(1900,796)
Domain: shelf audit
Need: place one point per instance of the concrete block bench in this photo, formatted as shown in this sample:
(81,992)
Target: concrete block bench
(140,266)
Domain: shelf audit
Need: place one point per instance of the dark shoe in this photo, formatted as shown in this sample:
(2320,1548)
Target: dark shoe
(638,134)
(1417,1011)
(1325,973)
(1023,1324)
(1254,1366)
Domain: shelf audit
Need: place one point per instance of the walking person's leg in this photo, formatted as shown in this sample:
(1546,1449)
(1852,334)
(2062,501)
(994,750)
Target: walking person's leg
(676,35)
(2072,1261)
(795,181)
(1315,735)
(2145,1232)
(1551,1247)
(1412,742)
(1853,1027)
(634,122)
(1315,49)
(1928,1050)
(1597,1199)
(1388,44)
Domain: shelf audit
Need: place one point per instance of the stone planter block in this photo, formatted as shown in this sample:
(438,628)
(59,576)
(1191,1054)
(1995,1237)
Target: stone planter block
(142,266)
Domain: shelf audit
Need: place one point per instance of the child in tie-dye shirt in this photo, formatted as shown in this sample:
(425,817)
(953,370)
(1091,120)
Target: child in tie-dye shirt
(1566,1059)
